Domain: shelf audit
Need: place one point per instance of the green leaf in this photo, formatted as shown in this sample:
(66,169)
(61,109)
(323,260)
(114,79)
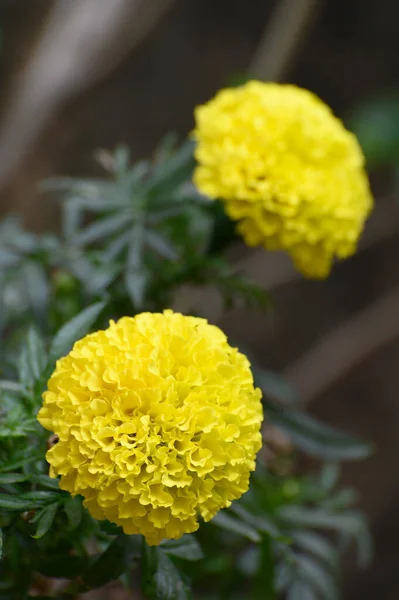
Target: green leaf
(167,175)
(75,329)
(264,581)
(46,520)
(301,590)
(101,229)
(8,259)
(74,511)
(318,546)
(186,548)
(344,498)
(315,438)
(226,521)
(376,124)
(258,522)
(318,577)
(136,285)
(32,359)
(14,503)
(45,481)
(40,497)
(1,544)
(121,160)
(161,579)
(37,289)
(19,462)
(350,524)
(109,565)
(36,353)
(11,387)
(329,476)
(161,245)
(12,478)
(116,247)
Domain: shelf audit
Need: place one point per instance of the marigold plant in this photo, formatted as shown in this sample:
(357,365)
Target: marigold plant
(286,169)
(116,446)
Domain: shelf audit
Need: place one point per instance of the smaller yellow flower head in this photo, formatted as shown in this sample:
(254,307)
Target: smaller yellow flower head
(285,168)
(158,422)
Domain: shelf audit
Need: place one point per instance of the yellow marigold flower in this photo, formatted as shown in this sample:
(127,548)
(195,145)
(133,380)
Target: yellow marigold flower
(158,422)
(285,168)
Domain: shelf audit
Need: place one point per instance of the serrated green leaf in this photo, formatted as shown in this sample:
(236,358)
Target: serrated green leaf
(45,520)
(315,438)
(186,548)
(75,329)
(226,521)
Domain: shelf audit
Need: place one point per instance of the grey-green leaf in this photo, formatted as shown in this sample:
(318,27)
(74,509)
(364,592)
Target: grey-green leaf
(314,437)
(318,546)
(75,329)
(318,577)
(101,229)
(274,386)
(301,590)
(226,521)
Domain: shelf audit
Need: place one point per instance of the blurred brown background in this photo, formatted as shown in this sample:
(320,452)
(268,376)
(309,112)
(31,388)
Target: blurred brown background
(82,74)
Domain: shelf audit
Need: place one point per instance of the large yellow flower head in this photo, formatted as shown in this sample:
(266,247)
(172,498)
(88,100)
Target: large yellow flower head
(158,422)
(286,169)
